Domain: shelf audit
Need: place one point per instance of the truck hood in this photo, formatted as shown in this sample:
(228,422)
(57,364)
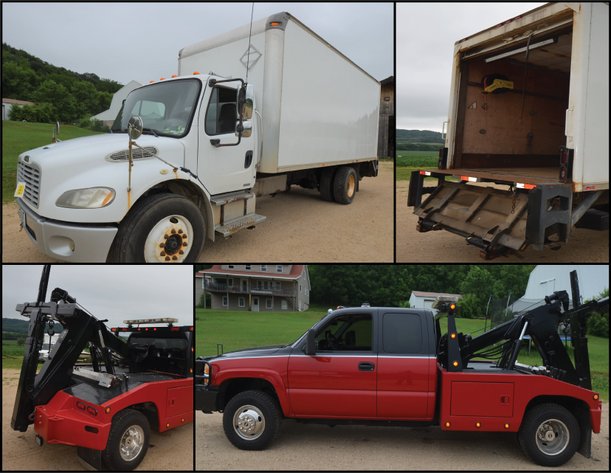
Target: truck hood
(91,150)
(278,350)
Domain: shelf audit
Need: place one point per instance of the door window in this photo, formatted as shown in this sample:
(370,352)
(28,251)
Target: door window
(350,332)
(221,116)
(402,333)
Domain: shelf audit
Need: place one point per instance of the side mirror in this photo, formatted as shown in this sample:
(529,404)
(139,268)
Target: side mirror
(55,138)
(134,127)
(246,100)
(310,348)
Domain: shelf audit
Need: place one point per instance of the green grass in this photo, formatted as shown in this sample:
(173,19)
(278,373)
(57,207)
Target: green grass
(417,158)
(236,330)
(18,137)
(12,354)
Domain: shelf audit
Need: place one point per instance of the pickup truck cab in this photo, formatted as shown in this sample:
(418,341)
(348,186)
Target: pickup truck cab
(383,364)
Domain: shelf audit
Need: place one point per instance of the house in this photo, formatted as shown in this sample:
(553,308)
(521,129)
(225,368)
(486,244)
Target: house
(7,104)
(386,130)
(108,117)
(255,287)
(425,300)
(547,279)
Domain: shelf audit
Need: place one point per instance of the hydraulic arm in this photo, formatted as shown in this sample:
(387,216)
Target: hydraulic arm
(81,330)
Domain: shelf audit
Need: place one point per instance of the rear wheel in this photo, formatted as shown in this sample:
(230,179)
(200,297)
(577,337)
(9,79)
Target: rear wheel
(162,228)
(549,434)
(251,420)
(128,441)
(345,184)
(325,185)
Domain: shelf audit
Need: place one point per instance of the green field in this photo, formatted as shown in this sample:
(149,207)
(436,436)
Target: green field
(408,161)
(12,354)
(238,330)
(18,137)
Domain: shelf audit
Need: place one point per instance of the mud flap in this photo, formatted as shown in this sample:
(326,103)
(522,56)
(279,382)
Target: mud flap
(92,457)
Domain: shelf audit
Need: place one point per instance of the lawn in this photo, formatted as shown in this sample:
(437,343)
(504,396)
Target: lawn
(238,330)
(18,137)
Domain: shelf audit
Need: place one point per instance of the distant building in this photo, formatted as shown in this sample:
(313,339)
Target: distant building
(386,131)
(7,104)
(108,117)
(255,287)
(425,300)
(547,279)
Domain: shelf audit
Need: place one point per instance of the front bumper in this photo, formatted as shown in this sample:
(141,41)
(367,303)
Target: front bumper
(67,241)
(205,399)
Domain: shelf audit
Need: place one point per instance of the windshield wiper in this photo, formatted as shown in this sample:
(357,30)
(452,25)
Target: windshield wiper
(151,131)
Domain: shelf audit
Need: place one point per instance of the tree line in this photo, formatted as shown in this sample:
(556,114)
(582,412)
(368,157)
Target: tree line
(58,94)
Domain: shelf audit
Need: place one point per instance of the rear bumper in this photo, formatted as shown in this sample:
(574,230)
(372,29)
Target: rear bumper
(67,420)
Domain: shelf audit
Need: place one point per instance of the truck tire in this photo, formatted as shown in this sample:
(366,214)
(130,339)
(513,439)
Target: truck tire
(345,184)
(128,441)
(162,228)
(325,186)
(251,420)
(549,434)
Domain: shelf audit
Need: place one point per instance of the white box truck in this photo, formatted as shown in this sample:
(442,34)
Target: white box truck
(252,112)
(526,154)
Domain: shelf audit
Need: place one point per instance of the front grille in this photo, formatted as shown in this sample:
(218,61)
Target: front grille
(31,176)
(137,153)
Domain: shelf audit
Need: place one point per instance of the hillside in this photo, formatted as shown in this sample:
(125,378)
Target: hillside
(15,325)
(418,140)
(59,94)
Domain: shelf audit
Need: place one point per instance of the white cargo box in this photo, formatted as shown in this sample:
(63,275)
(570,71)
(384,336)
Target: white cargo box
(317,108)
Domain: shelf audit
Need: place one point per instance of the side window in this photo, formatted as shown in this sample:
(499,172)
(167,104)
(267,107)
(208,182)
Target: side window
(221,116)
(350,332)
(402,333)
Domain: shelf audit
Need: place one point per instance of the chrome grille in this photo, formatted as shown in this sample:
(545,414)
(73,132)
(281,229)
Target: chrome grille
(137,153)
(31,176)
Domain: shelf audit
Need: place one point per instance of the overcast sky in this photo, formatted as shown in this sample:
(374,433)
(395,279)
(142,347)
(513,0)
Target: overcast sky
(426,33)
(109,292)
(140,41)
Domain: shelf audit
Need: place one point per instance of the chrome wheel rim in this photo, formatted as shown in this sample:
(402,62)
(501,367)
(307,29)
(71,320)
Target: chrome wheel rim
(552,437)
(249,422)
(131,443)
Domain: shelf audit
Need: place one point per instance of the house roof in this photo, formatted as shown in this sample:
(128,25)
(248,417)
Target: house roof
(296,272)
(435,294)
(17,102)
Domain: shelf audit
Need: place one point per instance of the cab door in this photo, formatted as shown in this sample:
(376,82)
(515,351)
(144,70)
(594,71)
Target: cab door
(226,161)
(339,381)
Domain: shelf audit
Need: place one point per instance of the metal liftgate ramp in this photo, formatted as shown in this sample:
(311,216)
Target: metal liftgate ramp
(494,219)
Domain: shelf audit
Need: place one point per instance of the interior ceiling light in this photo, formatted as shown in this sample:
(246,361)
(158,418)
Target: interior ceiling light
(520,50)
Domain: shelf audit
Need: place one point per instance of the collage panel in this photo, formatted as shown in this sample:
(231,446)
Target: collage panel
(503,132)
(97,368)
(417,359)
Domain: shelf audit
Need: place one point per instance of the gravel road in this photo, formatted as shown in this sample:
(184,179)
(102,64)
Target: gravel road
(584,246)
(359,448)
(172,450)
(300,227)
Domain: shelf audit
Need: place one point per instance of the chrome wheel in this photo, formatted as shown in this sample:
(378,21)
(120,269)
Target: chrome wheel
(249,422)
(552,437)
(169,241)
(131,443)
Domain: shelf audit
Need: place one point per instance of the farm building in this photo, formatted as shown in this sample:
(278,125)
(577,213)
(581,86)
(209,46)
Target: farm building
(546,279)
(7,104)
(425,300)
(108,117)
(255,287)
(386,131)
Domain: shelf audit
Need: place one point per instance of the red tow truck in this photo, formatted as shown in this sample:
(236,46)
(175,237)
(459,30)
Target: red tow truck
(139,378)
(381,365)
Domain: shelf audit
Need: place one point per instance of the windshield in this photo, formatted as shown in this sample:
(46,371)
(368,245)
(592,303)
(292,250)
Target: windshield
(166,108)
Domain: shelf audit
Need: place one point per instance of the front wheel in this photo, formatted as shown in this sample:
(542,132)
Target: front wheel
(251,420)
(549,435)
(162,228)
(128,441)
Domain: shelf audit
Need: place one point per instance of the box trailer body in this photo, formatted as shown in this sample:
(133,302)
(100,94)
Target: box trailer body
(209,143)
(317,107)
(529,109)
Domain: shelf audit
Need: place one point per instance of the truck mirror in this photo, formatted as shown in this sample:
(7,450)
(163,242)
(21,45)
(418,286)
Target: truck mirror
(134,127)
(310,348)
(246,101)
(246,129)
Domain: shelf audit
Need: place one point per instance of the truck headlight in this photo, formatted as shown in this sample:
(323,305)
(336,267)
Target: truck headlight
(90,198)
(206,374)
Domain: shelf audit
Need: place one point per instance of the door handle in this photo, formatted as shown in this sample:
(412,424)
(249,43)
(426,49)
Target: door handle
(248,159)
(366,366)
